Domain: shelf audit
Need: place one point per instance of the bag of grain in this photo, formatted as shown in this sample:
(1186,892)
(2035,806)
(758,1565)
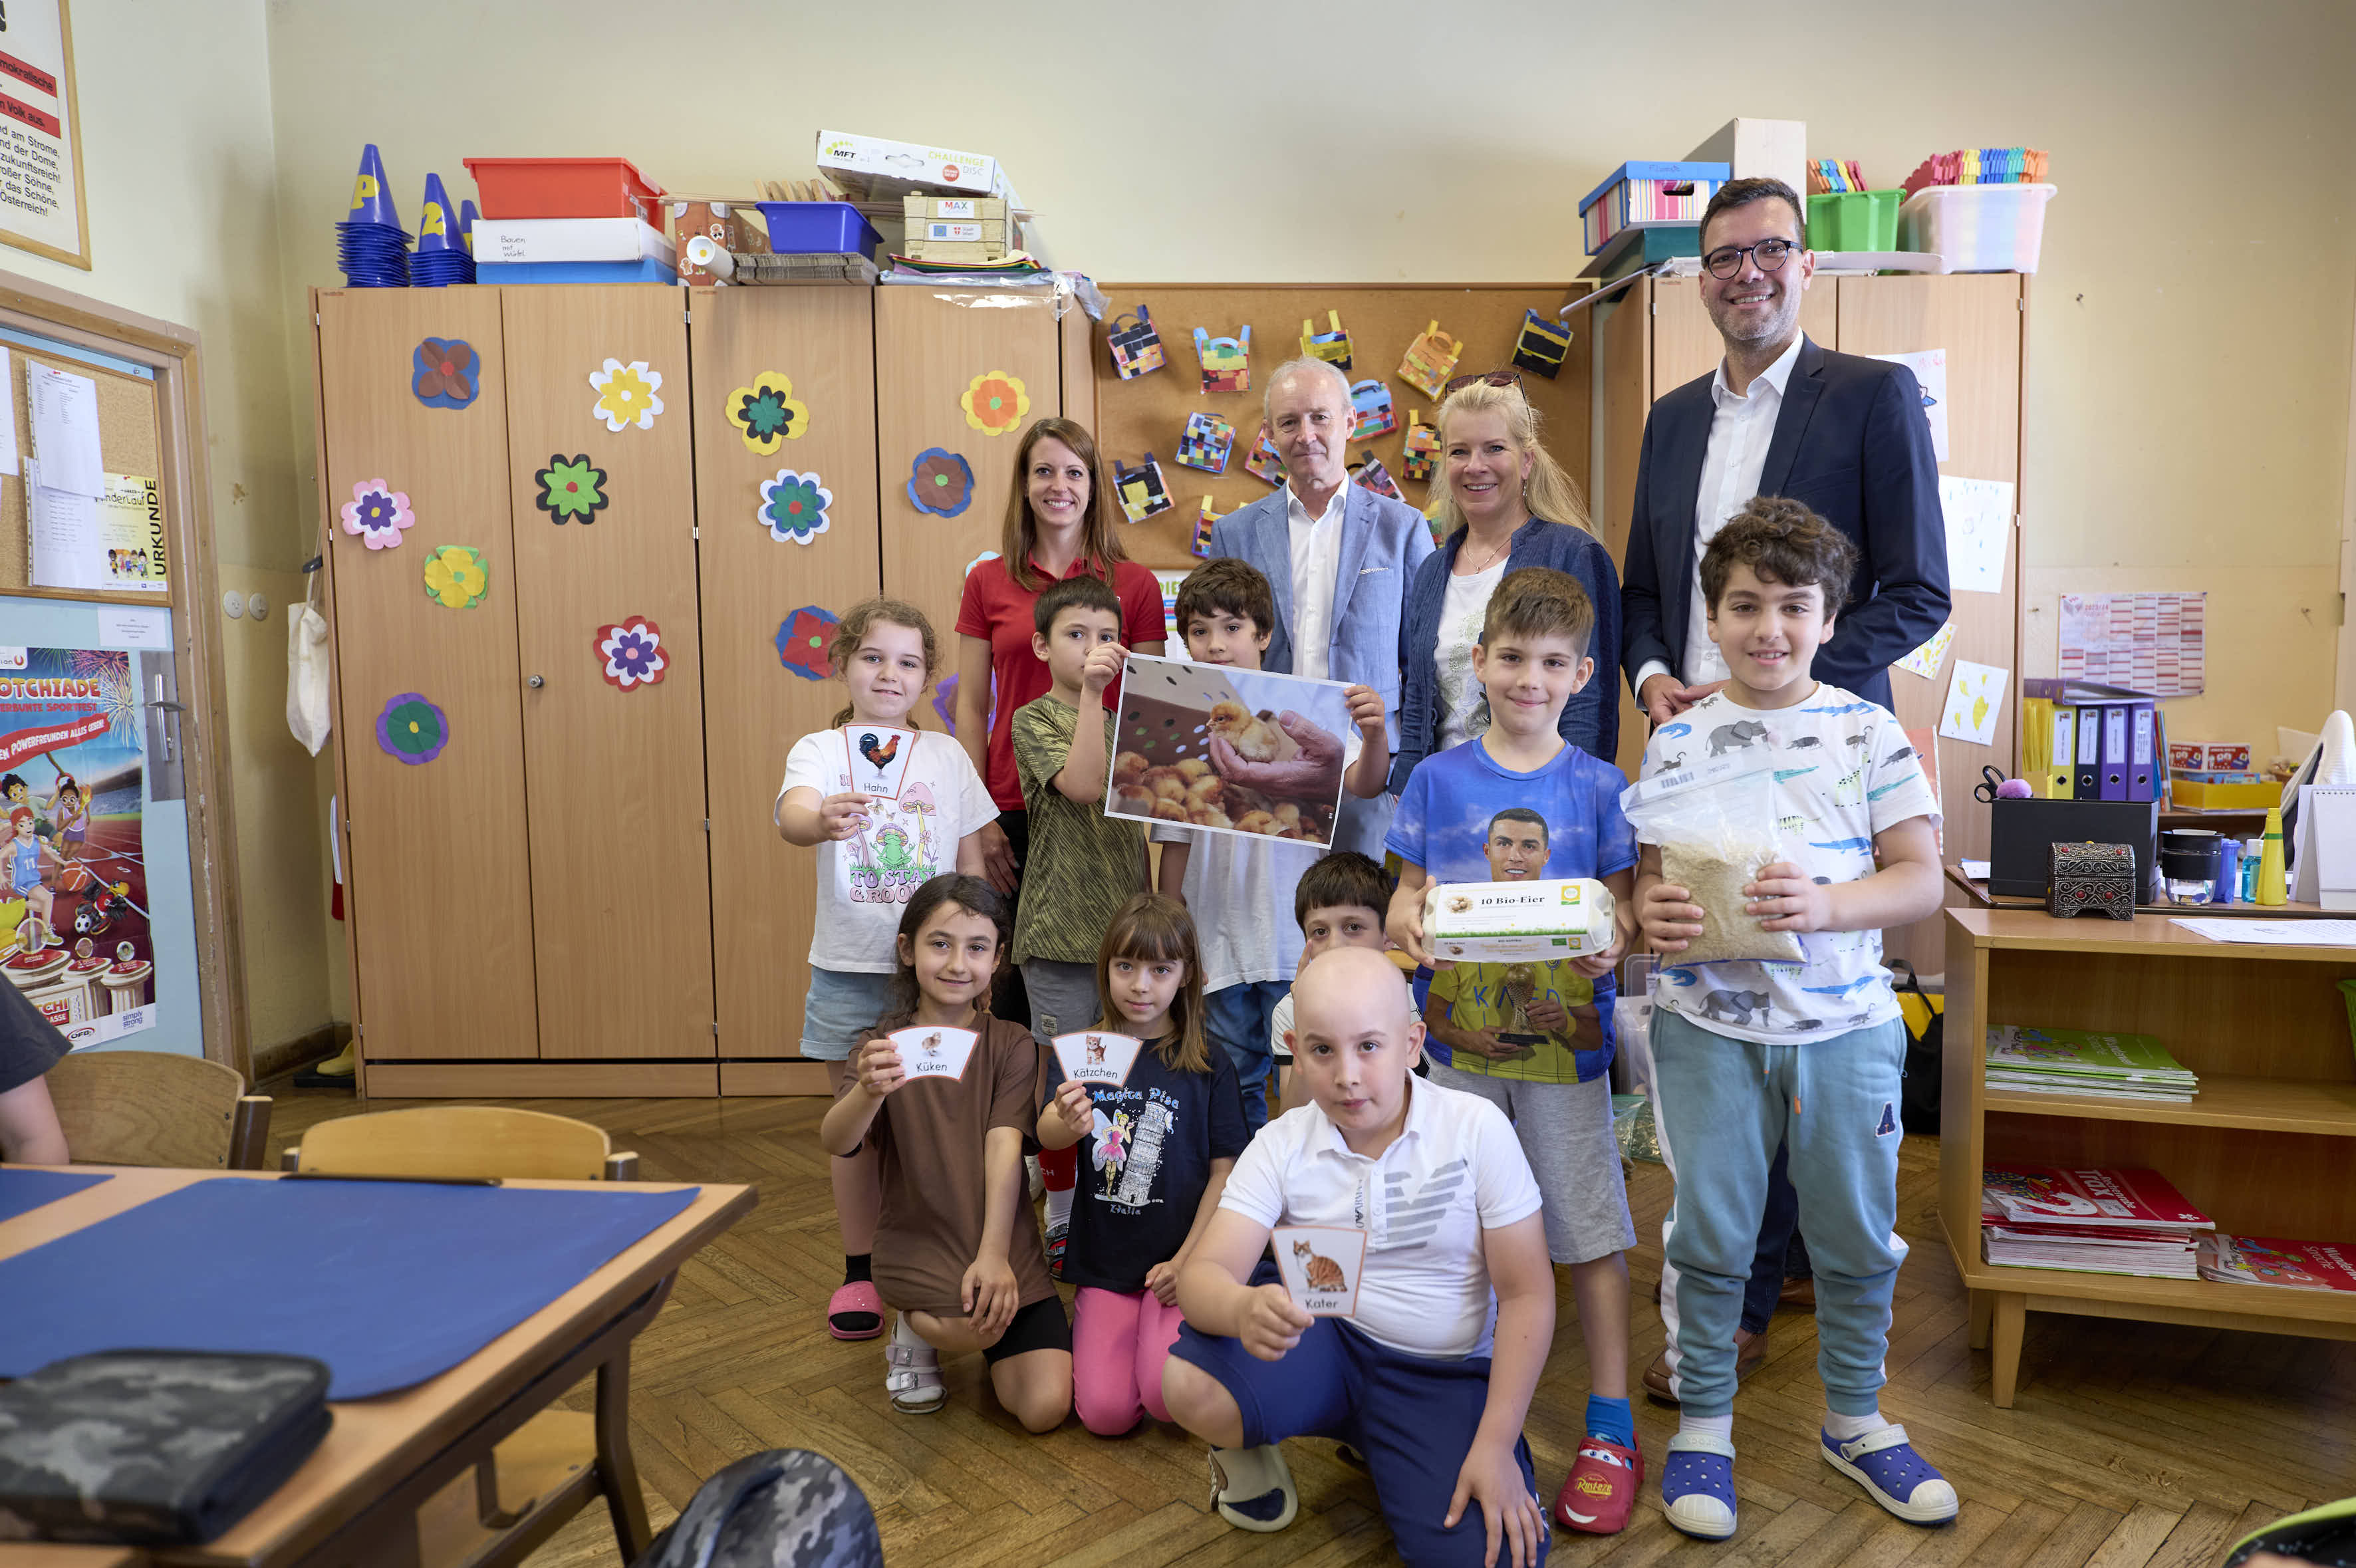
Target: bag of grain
(1716,829)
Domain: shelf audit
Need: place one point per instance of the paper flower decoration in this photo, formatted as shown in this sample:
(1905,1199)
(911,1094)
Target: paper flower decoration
(985,555)
(793,506)
(412,730)
(378,514)
(443,374)
(631,650)
(802,640)
(626,394)
(456,576)
(995,402)
(944,703)
(572,488)
(940,483)
(765,414)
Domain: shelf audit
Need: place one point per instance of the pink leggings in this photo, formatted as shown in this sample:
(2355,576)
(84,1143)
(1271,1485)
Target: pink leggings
(1119,1344)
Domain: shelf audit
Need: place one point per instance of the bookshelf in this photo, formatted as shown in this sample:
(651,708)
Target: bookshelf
(2265,1148)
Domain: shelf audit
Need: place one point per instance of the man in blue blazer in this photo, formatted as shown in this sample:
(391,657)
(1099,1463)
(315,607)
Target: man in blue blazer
(1340,558)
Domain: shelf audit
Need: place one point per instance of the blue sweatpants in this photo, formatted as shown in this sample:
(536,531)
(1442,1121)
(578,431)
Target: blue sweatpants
(1238,1019)
(1722,1105)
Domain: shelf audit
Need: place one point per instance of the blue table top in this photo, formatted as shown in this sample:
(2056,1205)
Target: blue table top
(22,1191)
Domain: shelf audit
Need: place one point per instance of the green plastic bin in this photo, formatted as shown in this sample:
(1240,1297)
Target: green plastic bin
(1854,221)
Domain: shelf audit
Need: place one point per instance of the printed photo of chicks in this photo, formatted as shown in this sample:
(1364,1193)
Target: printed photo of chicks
(1282,743)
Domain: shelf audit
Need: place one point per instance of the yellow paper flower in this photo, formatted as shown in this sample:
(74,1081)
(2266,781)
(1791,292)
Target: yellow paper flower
(765,414)
(456,576)
(995,402)
(626,394)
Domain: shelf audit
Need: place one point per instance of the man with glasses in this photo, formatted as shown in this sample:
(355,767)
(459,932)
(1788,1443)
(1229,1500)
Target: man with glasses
(1780,416)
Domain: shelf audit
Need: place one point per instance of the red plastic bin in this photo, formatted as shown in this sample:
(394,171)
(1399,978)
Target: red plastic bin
(565,188)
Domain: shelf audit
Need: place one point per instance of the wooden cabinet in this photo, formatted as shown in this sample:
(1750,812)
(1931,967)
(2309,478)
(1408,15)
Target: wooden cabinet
(2265,1148)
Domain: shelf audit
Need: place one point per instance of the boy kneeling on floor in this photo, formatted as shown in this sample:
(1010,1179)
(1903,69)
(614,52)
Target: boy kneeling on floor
(1432,1376)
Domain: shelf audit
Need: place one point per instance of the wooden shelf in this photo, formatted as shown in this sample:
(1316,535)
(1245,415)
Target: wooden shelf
(2155,936)
(2321,1107)
(2067,1290)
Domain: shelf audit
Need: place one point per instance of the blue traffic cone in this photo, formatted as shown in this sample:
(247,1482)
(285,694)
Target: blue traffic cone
(371,195)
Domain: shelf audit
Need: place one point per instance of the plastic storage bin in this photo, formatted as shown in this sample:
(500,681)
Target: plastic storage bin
(565,188)
(1854,221)
(818,228)
(1977,228)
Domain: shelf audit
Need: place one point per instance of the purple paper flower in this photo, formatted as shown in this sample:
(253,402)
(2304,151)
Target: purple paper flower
(631,650)
(412,730)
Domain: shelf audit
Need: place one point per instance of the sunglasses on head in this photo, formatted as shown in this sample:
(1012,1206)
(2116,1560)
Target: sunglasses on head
(1495,378)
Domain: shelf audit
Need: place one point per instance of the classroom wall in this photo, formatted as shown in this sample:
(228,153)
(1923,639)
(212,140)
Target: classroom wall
(179,174)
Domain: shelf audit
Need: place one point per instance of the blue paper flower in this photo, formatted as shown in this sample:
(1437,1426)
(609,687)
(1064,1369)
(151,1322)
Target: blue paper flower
(940,482)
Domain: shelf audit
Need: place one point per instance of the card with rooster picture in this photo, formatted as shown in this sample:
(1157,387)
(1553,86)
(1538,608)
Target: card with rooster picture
(1320,1265)
(876,756)
(1286,742)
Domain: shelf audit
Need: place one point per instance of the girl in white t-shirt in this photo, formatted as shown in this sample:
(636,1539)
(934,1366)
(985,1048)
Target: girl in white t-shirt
(918,816)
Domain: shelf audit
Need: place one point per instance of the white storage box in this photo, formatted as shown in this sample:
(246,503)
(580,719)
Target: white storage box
(1977,228)
(1499,922)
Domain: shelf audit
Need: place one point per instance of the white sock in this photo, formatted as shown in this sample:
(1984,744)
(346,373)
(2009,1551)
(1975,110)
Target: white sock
(1721,1426)
(1059,1206)
(1850,1427)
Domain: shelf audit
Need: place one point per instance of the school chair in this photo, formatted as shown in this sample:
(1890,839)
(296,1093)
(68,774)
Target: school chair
(547,1470)
(158,1108)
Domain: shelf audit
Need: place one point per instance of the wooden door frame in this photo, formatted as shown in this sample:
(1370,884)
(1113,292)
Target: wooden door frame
(174,354)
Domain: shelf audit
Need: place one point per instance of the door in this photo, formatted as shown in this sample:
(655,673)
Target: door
(767,594)
(603,494)
(437,883)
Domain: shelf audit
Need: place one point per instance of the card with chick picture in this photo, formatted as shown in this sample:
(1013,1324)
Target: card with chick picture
(1225,750)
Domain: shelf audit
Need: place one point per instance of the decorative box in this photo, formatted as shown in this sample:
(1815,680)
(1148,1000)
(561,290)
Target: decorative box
(2092,876)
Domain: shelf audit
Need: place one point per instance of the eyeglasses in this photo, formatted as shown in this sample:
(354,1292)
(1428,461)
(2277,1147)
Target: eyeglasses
(1495,378)
(1769,254)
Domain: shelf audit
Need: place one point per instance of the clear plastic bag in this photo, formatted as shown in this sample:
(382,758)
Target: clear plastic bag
(1716,829)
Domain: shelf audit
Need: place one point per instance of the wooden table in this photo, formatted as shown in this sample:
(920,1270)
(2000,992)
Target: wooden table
(1978,892)
(356,1501)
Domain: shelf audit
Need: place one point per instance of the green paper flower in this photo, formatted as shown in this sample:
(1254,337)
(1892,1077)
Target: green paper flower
(572,488)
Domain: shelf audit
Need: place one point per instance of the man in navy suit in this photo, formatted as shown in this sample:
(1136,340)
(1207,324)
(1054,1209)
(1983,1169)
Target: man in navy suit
(1779,416)
(1339,557)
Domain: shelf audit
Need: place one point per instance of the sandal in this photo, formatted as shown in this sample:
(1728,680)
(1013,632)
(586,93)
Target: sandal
(855,1312)
(915,1379)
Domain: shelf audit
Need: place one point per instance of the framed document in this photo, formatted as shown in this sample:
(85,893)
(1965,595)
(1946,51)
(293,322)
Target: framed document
(41,206)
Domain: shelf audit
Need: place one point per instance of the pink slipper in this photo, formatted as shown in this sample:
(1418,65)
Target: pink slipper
(855,1312)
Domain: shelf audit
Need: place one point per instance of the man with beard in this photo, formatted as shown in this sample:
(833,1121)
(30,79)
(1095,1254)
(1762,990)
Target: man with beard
(1780,416)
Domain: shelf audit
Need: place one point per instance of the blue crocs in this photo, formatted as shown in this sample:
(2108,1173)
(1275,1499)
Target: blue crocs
(1900,1479)
(1698,1484)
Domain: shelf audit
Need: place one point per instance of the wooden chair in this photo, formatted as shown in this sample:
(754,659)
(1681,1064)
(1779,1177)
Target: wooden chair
(158,1108)
(544,1472)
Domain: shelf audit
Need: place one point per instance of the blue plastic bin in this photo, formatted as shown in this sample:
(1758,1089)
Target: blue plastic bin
(818,228)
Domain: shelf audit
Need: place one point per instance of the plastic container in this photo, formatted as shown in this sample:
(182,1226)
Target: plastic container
(818,228)
(565,188)
(651,269)
(1977,228)
(1854,221)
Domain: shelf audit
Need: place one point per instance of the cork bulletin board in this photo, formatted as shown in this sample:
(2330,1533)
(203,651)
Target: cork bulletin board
(1148,412)
(127,444)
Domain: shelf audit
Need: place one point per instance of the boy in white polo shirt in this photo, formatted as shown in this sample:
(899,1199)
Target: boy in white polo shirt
(1432,1376)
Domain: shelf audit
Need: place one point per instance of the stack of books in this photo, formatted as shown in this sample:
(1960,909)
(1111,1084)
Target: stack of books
(1980,166)
(2265,1261)
(2093,1222)
(2073,1061)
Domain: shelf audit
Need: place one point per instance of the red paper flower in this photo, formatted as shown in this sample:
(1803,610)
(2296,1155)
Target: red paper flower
(802,642)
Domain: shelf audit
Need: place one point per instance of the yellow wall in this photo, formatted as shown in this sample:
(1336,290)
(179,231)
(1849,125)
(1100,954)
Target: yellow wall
(180,176)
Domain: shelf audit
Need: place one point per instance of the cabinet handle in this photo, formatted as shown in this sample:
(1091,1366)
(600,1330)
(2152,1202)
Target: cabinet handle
(536,683)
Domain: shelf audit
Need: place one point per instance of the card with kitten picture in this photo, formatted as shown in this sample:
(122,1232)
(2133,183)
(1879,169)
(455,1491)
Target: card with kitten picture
(1288,738)
(1098,1057)
(1320,1265)
(876,759)
(930,1051)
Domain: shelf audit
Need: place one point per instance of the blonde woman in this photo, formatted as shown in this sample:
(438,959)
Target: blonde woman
(1507,504)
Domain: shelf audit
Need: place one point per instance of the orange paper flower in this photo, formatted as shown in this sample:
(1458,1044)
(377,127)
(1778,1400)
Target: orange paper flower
(995,402)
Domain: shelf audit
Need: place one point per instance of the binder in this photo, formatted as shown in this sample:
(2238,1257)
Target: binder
(2036,741)
(2086,782)
(2114,752)
(2060,780)
(2142,767)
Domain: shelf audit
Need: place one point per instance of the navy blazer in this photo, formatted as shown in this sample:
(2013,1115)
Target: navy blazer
(1383,542)
(1850,441)
(1591,719)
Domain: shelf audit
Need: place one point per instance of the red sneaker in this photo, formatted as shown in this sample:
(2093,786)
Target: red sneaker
(1600,1490)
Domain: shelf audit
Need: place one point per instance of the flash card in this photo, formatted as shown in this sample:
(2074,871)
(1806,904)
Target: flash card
(1099,1059)
(1320,1265)
(876,756)
(927,1051)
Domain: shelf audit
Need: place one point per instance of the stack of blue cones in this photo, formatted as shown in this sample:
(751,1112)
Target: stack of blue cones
(371,247)
(442,255)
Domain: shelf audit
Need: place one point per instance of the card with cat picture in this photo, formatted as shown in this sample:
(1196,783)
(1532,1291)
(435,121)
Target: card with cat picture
(876,759)
(1098,1059)
(1287,740)
(927,1050)
(1321,1264)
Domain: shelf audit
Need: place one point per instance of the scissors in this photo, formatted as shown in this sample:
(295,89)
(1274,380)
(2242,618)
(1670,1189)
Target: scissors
(1990,781)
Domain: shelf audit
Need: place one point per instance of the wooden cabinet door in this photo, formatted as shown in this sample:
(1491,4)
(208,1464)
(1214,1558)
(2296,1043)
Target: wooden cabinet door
(614,774)
(930,344)
(1686,344)
(438,889)
(760,692)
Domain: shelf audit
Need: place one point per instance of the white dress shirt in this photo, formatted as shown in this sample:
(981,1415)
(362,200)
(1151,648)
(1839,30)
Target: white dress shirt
(1316,563)
(1741,428)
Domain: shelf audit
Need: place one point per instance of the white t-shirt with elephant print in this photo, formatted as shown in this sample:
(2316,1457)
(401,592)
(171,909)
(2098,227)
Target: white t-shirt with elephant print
(1844,772)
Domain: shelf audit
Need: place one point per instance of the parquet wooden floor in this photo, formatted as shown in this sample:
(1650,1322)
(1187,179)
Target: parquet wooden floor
(2131,1446)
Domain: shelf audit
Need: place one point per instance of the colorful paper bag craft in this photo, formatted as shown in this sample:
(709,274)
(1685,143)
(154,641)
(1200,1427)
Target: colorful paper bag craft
(1142,493)
(1263,461)
(1372,400)
(1541,346)
(1430,360)
(1226,362)
(1204,518)
(1136,346)
(1422,442)
(1333,346)
(1207,443)
(1370,472)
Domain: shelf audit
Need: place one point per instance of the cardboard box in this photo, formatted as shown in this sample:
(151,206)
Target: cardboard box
(937,251)
(960,232)
(1499,922)
(1776,148)
(871,168)
(953,208)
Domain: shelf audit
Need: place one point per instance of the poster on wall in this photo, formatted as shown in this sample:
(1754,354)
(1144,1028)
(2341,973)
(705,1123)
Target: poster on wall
(41,206)
(74,934)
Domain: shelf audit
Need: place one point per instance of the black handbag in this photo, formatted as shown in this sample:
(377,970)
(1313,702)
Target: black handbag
(152,1448)
(1918,1097)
